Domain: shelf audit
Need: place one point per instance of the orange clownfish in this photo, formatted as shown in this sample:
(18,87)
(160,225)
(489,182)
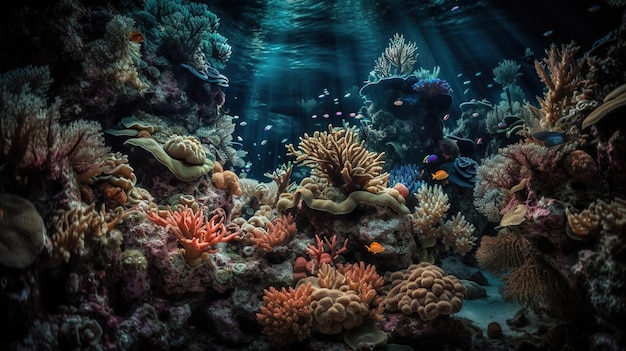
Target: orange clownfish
(440,175)
(375,248)
(136,36)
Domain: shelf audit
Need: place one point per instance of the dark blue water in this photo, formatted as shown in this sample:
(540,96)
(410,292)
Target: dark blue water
(285,51)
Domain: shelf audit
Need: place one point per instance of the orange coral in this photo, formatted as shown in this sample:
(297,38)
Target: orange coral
(285,314)
(226,180)
(197,235)
(278,233)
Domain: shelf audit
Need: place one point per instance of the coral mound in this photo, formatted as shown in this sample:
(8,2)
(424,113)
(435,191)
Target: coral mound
(423,289)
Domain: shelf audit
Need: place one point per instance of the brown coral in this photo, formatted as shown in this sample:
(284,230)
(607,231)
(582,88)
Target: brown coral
(423,289)
(580,166)
(333,310)
(337,156)
(503,252)
(285,314)
(560,73)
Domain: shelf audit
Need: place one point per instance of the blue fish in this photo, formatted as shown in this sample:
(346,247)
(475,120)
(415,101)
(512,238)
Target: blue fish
(550,138)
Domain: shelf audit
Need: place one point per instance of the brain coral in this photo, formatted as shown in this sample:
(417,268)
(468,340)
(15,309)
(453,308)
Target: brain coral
(423,289)
(335,309)
(186,148)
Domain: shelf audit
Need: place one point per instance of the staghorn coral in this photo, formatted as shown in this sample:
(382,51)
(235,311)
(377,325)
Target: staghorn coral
(560,73)
(337,156)
(197,235)
(279,231)
(285,314)
(397,59)
(423,289)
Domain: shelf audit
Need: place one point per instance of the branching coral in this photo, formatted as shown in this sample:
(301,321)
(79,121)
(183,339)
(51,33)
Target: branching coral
(429,224)
(197,235)
(279,231)
(560,73)
(79,224)
(398,58)
(285,314)
(338,156)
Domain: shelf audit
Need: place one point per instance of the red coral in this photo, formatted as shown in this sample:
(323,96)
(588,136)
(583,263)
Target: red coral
(278,233)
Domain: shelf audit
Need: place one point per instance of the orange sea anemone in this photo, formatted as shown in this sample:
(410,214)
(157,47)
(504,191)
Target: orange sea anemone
(136,36)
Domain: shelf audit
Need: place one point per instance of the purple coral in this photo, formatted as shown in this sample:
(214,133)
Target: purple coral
(432,87)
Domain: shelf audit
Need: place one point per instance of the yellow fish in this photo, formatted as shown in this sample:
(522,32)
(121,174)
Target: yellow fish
(375,248)
(440,175)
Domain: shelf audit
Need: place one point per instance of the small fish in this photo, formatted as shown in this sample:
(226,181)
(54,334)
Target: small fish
(321,96)
(239,138)
(478,74)
(398,103)
(268,127)
(467,82)
(429,158)
(475,114)
(489,85)
(338,113)
(502,124)
(454,8)
(440,175)
(375,248)
(548,33)
(479,141)
(550,138)
(284,141)
(352,114)
(243,124)
(594,8)
(459,75)
(236,117)
(347,95)
(313,116)
(264,141)
(136,36)
(326,92)
(336,99)
(446,117)
(326,115)
(465,91)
